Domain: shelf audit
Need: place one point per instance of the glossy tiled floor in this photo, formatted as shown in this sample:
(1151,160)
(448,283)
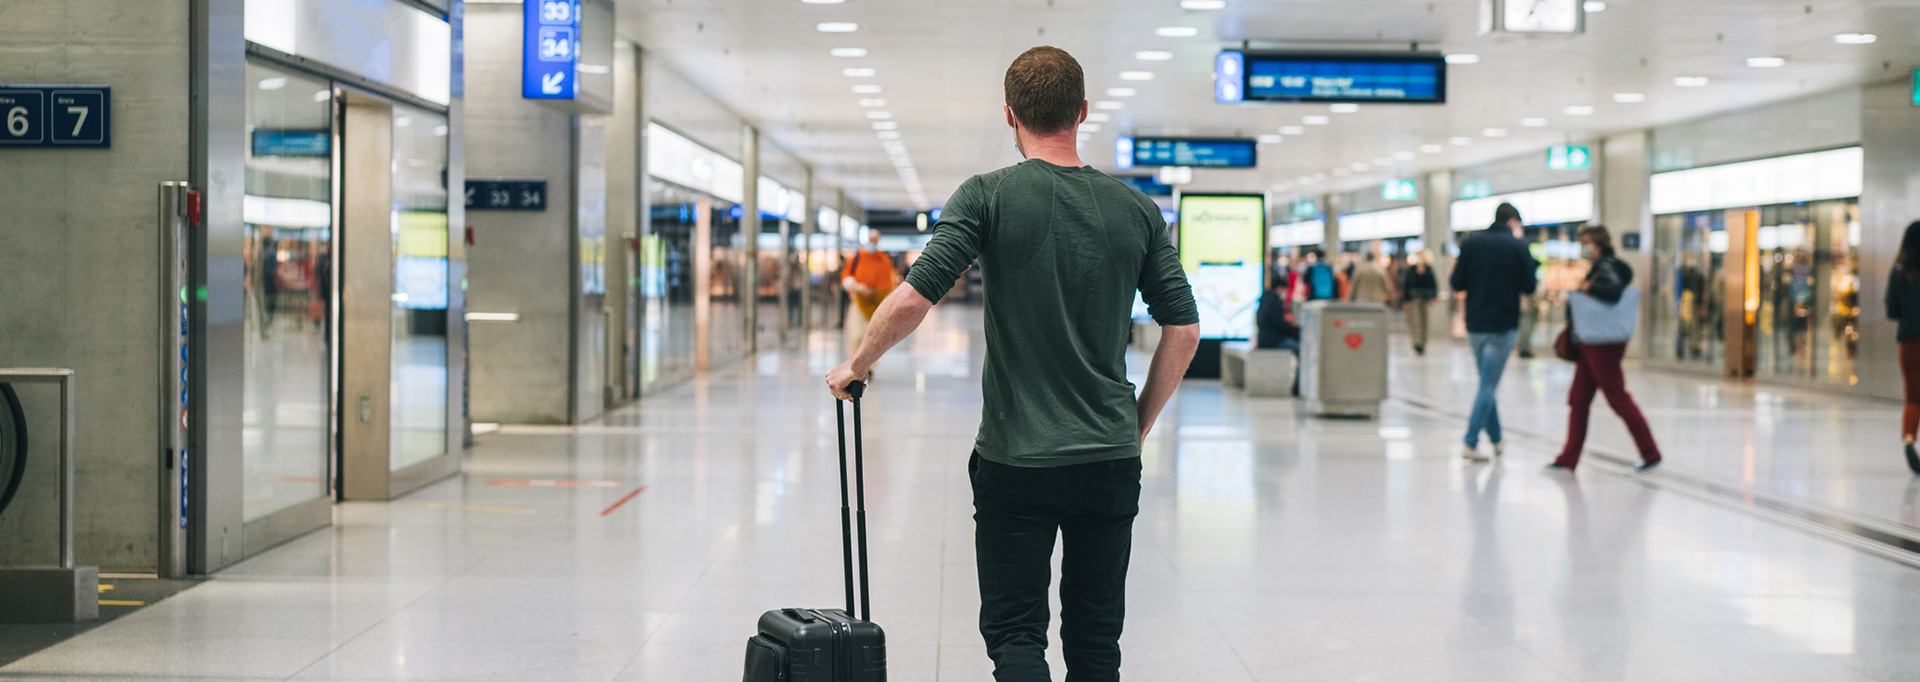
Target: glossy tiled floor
(1271,546)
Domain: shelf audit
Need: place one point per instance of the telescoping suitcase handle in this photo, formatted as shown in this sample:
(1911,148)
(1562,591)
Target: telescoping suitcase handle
(860,495)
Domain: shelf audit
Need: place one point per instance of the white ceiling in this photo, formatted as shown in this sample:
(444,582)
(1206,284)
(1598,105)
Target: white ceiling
(941,61)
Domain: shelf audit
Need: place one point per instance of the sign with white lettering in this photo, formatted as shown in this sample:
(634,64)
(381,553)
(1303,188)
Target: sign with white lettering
(1398,78)
(550,49)
(506,195)
(55,116)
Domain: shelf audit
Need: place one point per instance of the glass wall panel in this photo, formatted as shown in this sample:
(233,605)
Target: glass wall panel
(419,389)
(732,253)
(666,287)
(287,418)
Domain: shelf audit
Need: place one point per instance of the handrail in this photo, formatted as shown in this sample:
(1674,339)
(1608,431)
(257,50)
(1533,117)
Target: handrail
(65,378)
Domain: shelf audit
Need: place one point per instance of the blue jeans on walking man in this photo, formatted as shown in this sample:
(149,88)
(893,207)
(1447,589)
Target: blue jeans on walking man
(1490,351)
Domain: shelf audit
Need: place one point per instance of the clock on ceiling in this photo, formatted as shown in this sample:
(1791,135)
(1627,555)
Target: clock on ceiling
(1532,16)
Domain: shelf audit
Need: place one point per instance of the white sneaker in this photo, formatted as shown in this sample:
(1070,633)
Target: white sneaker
(1497,449)
(1472,454)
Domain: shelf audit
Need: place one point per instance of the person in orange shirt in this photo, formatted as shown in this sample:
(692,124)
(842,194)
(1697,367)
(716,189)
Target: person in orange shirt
(868,277)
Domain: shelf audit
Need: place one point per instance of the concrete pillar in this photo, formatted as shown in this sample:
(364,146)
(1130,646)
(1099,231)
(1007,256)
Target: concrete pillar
(749,256)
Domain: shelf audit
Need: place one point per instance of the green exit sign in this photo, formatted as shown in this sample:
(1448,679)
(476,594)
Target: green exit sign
(1916,86)
(1305,208)
(1568,157)
(1399,190)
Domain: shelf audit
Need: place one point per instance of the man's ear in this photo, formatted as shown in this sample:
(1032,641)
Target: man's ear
(1083,114)
(1012,122)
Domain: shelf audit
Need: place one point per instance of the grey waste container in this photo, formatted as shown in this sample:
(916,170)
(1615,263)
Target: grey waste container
(1343,358)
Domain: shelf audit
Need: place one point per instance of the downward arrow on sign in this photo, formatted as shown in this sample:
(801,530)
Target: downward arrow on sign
(550,83)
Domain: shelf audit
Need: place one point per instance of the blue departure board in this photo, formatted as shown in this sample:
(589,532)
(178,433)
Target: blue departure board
(1405,78)
(1148,185)
(1195,152)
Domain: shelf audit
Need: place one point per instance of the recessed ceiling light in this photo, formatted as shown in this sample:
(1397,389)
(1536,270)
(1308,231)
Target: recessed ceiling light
(1463,59)
(873,102)
(837,27)
(1122,92)
(866,89)
(1432,148)
(1855,38)
(1320,176)
(1136,75)
(879,115)
(1292,130)
(1690,81)
(1341,172)
(1766,62)
(885,125)
(273,83)
(1344,108)
(1403,156)
(1533,122)
(1592,6)
(1578,110)
(858,72)
(1108,105)
(1629,97)
(1494,132)
(1099,118)
(1382,161)
(1315,120)
(1460,140)
(1269,139)
(1203,4)
(1089,127)
(1153,55)
(848,52)
(1176,31)
(887,134)
(1360,166)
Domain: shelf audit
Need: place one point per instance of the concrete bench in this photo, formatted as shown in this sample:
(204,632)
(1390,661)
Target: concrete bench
(1261,372)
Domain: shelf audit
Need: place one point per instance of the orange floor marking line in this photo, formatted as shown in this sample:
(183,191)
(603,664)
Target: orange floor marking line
(119,602)
(636,493)
(544,483)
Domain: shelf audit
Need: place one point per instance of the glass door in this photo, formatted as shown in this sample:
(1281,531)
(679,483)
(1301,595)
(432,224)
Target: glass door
(418,393)
(287,419)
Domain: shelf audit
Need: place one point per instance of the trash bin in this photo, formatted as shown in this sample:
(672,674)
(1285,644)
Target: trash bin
(1343,358)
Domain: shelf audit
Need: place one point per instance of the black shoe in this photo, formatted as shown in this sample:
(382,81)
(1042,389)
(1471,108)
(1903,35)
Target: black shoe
(1556,466)
(1913,459)
(1526,355)
(1645,467)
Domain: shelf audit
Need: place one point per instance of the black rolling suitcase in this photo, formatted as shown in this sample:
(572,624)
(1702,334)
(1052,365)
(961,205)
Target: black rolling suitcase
(827,645)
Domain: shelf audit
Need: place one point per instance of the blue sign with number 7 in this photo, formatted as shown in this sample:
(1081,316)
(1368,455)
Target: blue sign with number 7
(56,116)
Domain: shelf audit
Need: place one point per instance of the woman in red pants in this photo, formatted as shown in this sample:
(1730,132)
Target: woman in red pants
(1601,348)
(1903,305)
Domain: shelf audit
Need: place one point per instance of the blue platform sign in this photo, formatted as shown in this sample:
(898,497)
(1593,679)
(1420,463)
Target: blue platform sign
(56,116)
(1403,78)
(550,49)
(1195,152)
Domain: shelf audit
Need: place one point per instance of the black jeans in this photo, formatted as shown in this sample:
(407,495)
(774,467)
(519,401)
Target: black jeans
(1017,512)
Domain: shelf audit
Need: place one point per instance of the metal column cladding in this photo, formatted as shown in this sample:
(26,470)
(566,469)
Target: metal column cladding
(550,49)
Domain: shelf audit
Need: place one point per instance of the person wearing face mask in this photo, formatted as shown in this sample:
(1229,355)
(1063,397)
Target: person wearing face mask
(1601,351)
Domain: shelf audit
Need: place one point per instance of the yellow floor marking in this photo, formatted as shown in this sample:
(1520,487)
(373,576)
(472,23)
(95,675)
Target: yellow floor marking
(142,576)
(461,507)
(104,588)
(120,602)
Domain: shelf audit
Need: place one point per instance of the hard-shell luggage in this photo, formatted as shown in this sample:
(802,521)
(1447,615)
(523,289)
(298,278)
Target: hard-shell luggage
(828,645)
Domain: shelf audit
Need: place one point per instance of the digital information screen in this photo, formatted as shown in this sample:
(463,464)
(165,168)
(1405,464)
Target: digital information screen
(1404,78)
(1222,247)
(1194,152)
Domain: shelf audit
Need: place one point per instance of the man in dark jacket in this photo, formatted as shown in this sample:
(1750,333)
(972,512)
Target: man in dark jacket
(1494,270)
(1275,330)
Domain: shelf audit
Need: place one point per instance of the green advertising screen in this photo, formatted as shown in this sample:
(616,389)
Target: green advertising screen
(1223,249)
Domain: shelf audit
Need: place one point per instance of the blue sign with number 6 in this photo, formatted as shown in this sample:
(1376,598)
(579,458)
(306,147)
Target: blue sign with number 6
(56,116)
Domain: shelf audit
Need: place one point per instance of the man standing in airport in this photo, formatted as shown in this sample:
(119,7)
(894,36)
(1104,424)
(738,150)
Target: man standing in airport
(1318,282)
(1371,284)
(1062,249)
(868,278)
(1493,271)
